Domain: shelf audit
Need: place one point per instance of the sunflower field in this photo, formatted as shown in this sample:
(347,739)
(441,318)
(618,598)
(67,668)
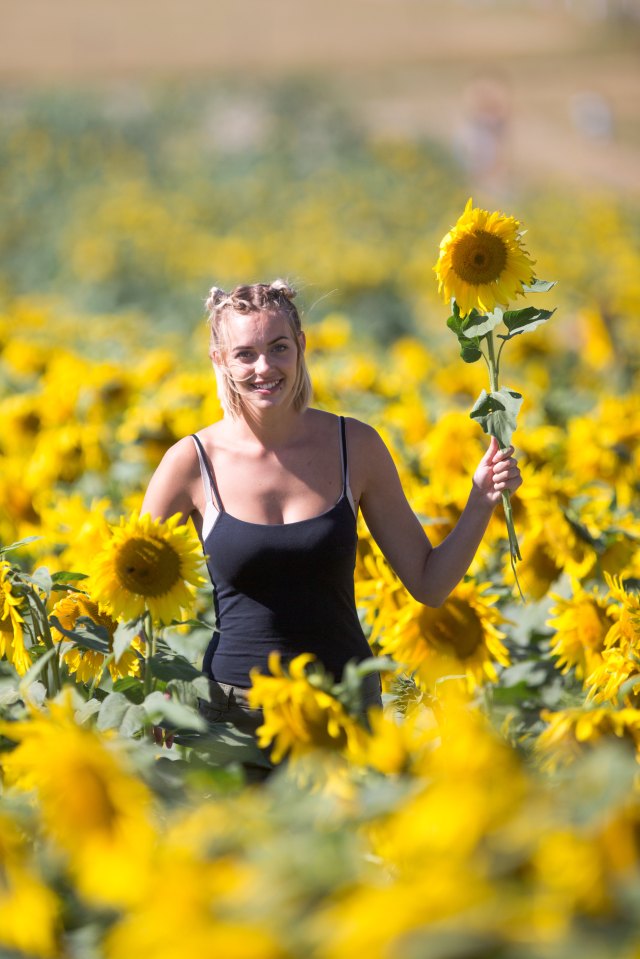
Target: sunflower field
(491,810)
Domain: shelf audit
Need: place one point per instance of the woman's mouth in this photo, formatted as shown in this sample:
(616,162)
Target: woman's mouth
(266,386)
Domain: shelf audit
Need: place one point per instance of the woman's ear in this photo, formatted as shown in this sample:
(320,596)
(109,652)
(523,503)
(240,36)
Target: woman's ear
(302,340)
(216,357)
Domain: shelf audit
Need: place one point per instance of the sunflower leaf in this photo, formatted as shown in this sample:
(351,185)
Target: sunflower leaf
(176,714)
(469,345)
(479,324)
(524,321)
(497,413)
(173,667)
(538,286)
(123,637)
(92,635)
(66,576)
(18,543)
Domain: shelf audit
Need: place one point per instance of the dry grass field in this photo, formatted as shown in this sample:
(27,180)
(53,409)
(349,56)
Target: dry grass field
(567,78)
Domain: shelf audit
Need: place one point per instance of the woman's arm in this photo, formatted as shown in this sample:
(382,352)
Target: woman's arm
(429,573)
(172,488)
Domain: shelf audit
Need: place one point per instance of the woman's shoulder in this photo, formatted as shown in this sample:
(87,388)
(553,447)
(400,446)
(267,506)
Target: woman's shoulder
(181,457)
(363,440)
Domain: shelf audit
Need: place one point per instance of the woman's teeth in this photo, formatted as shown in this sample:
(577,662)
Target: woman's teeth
(270,385)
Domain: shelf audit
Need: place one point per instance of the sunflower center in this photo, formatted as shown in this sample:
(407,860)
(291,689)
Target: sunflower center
(479,257)
(148,567)
(459,627)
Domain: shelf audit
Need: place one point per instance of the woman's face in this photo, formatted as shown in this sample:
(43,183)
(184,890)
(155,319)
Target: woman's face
(261,355)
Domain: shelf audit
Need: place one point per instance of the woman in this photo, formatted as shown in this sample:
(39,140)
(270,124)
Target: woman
(274,488)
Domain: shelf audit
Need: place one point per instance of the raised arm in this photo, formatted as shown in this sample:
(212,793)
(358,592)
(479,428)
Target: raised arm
(429,573)
(175,487)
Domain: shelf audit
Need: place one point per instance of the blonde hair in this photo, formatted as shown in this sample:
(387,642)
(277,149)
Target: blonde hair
(276,297)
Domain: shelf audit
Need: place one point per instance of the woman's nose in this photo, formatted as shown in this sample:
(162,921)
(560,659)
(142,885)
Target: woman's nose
(262,363)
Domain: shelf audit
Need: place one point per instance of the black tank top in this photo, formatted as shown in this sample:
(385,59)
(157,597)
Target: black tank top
(286,587)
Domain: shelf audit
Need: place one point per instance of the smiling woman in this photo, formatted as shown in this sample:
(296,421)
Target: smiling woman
(274,489)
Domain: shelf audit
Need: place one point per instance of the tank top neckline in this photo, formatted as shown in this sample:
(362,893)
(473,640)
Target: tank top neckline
(296,522)
(219,510)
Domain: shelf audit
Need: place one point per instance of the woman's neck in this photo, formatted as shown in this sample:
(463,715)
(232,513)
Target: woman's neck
(269,428)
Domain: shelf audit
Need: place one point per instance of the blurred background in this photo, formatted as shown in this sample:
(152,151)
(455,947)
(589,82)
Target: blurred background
(149,150)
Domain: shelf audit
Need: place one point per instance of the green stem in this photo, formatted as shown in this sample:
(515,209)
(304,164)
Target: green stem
(514,547)
(149,651)
(48,639)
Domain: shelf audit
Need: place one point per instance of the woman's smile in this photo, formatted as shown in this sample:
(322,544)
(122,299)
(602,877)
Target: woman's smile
(266,386)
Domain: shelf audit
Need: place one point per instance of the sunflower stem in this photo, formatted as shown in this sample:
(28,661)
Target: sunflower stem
(149,650)
(514,548)
(43,622)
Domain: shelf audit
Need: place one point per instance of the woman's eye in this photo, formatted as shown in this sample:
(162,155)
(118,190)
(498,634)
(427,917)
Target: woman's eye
(280,348)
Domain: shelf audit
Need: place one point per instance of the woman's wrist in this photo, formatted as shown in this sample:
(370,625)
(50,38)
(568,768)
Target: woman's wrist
(479,500)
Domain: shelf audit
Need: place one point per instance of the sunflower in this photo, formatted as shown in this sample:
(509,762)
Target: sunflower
(568,729)
(147,564)
(460,637)
(299,717)
(12,623)
(91,804)
(86,664)
(482,261)
(582,624)
(619,671)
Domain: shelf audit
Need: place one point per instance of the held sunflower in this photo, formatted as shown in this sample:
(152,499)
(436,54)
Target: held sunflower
(147,564)
(482,262)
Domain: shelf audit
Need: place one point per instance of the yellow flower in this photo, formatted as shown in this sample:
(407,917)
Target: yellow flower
(87,664)
(91,806)
(459,638)
(581,623)
(298,717)
(482,261)
(619,663)
(396,745)
(210,913)
(29,911)
(12,623)
(147,564)
(561,741)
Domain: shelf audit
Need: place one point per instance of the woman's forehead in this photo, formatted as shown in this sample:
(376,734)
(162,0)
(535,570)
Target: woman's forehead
(245,329)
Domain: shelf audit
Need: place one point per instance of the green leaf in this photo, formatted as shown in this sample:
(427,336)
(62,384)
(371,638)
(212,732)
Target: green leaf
(34,671)
(92,635)
(116,712)
(42,578)
(497,413)
(173,667)
(133,721)
(539,286)
(524,321)
(132,688)
(469,346)
(479,324)
(65,576)
(20,542)
(177,715)
(112,710)
(123,637)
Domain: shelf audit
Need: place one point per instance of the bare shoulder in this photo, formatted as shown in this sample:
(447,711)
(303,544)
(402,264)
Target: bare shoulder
(181,458)
(175,486)
(363,438)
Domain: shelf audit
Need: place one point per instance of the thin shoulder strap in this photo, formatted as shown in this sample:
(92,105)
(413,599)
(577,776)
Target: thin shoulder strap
(208,479)
(343,456)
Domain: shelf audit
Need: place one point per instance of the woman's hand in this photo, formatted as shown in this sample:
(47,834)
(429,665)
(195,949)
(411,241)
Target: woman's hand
(496,471)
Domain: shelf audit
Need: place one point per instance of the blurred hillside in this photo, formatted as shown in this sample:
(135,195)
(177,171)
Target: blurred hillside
(518,89)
